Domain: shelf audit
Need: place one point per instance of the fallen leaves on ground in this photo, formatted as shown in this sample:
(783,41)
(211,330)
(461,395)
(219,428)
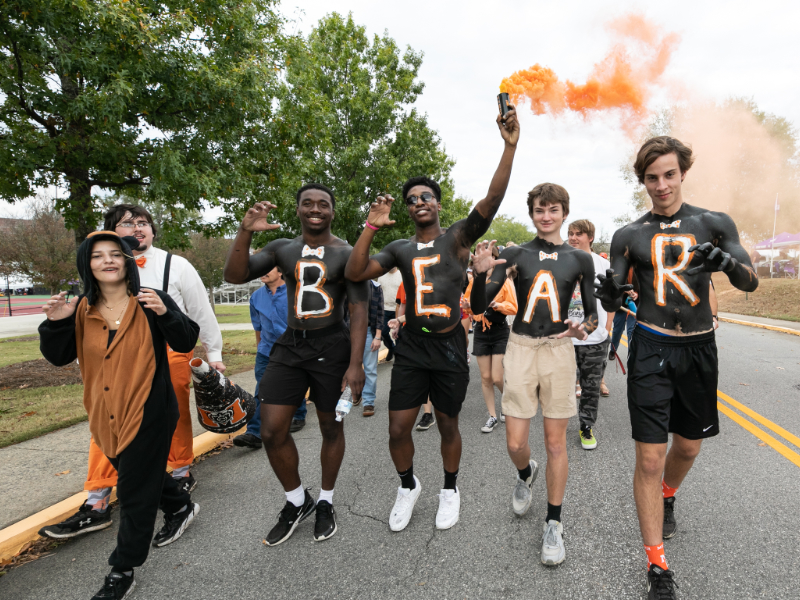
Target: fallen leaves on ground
(67,472)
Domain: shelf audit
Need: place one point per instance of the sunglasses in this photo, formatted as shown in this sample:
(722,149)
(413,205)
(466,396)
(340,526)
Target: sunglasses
(425,197)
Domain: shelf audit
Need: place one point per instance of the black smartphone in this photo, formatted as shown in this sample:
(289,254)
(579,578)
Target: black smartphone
(502,104)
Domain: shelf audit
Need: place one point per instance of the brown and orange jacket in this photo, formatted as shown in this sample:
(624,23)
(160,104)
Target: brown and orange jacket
(120,377)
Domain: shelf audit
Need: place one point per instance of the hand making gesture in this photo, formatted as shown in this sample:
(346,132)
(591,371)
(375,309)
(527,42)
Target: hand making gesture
(609,290)
(58,308)
(714,259)
(574,330)
(509,127)
(255,219)
(483,259)
(379,212)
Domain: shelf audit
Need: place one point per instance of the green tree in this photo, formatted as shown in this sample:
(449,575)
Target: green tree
(207,255)
(160,99)
(347,110)
(507,229)
(40,247)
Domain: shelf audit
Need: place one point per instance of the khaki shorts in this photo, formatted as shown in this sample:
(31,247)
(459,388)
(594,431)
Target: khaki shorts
(539,370)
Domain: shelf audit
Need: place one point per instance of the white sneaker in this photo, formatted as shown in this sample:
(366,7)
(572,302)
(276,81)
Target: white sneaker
(553,544)
(449,507)
(404,506)
(523,495)
(490,425)
(502,418)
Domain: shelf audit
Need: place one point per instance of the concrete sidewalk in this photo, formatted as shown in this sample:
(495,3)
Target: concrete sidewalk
(762,321)
(33,475)
(22,325)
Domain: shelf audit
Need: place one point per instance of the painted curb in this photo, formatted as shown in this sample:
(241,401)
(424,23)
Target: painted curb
(761,326)
(15,536)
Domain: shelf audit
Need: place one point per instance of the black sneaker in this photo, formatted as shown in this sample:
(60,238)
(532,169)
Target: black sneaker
(247,440)
(611,353)
(85,520)
(325,526)
(297,425)
(425,422)
(670,526)
(660,585)
(187,483)
(175,525)
(389,356)
(116,587)
(289,518)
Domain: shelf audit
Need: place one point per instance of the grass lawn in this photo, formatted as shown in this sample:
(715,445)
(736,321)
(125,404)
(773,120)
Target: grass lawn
(774,298)
(26,414)
(229,313)
(19,349)
(29,413)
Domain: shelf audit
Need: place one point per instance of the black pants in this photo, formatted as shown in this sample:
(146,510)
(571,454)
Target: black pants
(386,336)
(143,485)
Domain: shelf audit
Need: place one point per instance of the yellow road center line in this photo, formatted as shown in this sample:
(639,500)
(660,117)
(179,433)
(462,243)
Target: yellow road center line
(759,433)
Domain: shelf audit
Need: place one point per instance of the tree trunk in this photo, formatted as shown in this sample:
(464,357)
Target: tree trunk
(211,299)
(78,209)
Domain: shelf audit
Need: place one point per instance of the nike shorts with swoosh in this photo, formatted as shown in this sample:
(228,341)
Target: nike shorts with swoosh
(672,386)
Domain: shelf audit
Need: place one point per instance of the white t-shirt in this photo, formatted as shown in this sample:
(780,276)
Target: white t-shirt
(576,307)
(390,282)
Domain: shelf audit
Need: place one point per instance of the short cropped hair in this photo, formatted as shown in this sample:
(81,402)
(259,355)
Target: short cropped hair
(320,187)
(656,147)
(115,214)
(548,193)
(583,226)
(426,181)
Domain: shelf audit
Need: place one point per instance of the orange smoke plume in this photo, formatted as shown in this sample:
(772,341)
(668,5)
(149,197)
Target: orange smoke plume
(622,80)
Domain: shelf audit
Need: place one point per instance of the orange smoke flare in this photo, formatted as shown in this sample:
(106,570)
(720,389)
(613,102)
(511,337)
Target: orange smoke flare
(622,80)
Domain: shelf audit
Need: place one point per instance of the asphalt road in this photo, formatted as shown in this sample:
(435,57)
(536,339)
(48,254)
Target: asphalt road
(737,513)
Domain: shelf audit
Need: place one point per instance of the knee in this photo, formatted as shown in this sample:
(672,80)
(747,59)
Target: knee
(517,446)
(487,380)
(650,465)
(555,448)
(449,432)
(269,437)
(498,383)
(687,451)
(332,432)
(397,433)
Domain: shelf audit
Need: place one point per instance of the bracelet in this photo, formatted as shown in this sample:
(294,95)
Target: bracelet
(371,226)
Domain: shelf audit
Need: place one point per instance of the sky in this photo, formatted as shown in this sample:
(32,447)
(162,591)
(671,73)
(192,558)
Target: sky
(733,48)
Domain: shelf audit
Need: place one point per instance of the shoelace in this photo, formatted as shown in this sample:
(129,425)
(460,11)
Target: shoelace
(664,585)
(404,500)
(80,515)
(324,510)
(550,538)
(289,512)
(111,584)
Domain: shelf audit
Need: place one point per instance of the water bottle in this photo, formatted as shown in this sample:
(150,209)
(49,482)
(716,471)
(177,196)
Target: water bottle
(630,305)
(345,404)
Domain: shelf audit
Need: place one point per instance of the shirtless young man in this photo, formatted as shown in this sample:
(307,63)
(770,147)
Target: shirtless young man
(540,363)
(431,355)
(672,357)
(316,351)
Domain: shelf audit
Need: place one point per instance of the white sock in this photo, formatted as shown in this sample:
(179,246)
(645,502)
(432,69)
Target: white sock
(326,495)
(181,472)
(297,497)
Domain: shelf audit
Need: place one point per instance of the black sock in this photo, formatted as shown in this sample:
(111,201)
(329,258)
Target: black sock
(407,478)
(553,513)
(450,480)
(525,473)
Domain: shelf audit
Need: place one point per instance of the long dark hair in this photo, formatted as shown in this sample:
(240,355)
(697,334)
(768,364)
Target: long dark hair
(90,287)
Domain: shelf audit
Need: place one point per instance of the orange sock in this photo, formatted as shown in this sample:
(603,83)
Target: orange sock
(668,492)
(655,556)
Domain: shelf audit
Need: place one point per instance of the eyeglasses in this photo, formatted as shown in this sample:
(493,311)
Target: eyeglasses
(425,197)
(131,225)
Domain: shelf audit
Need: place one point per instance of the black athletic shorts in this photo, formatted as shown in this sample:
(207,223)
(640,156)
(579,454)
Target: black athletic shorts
(672,386)
(296,363)
(492,341)
(431,364)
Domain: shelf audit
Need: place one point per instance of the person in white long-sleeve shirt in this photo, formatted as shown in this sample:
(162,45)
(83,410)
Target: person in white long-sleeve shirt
(184,285)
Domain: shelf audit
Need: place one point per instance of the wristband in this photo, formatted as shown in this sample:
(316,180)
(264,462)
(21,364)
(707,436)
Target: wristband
(401,319)
(371,226)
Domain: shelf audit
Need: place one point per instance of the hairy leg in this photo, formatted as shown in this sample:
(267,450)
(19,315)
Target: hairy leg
(451,441)
(517,433)
(401,444)
(555,442)
(650,459)
(680,459)
(281,451)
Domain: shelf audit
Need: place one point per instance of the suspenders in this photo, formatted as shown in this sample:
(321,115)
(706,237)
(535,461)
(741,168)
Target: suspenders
(165,285)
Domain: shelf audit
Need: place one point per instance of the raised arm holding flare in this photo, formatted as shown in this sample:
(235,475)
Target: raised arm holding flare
(672,356)
(431,355)
(316,350)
